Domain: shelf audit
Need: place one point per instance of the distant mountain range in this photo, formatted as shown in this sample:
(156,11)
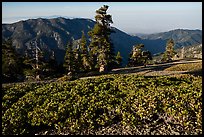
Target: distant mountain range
(52,35)
(182,37)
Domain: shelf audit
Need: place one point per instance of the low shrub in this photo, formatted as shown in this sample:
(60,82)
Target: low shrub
(134,101)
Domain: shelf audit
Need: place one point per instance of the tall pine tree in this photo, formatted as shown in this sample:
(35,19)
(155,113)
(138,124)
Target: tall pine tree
(85,66)
(101,48)
(69,59)
(77,62)
(12,63)
(169,53)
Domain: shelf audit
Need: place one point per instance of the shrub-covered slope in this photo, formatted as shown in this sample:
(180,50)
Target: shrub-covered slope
(144,104)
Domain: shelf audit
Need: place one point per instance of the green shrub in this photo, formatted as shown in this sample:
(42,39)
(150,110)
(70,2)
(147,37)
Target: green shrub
(93,103)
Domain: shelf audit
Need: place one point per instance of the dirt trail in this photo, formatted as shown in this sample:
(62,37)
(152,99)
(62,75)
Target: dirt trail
(149,70)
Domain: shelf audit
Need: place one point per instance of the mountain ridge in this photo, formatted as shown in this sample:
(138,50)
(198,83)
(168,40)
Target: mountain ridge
(182,37)
(53,35)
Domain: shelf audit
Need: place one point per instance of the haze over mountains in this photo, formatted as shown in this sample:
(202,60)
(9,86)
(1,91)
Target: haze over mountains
(54,34)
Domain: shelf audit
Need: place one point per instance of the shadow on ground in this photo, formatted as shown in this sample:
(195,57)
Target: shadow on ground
(195,73)
(156,67)
(160,67)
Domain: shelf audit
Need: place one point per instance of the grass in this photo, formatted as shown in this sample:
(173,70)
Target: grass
(186,67)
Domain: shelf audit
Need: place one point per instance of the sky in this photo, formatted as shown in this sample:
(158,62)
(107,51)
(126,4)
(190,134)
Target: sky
(130,17)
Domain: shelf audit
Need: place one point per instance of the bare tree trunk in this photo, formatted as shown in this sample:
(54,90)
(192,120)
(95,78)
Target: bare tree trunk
(38,77)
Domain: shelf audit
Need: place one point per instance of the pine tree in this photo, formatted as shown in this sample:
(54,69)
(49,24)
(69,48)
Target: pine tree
(135,57)
(11,62)
(138,56)
(86,66)
(52,66)
(101,48)
(118,59)
(146,55)
(94,46)
(77,62)
(69,59)
(169,53)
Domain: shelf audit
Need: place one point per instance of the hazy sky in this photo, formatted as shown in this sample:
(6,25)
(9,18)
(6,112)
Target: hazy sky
(131,17)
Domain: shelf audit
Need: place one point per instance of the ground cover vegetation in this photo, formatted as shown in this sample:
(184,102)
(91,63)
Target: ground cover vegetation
(134,101)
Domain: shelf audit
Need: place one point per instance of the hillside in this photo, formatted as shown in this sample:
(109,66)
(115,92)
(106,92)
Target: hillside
(49,34)
(182,37)
(152,100)
(110,104)
(194,51)
(52,35)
